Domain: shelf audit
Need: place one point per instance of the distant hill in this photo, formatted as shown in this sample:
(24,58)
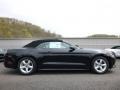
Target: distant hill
(13,28)
(102,36)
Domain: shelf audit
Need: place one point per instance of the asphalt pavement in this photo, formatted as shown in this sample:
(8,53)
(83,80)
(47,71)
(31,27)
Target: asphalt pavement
(60,80)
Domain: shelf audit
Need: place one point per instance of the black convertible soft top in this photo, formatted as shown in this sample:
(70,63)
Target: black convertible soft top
(37,42)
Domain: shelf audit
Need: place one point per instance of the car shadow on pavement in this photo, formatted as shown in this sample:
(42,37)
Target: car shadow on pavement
(63,72)
(46,72)
(53,72)
(10,72)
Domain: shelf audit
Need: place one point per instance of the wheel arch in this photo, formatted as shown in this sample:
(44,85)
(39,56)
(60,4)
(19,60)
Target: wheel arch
(103,55)
(25,56)
(34,68)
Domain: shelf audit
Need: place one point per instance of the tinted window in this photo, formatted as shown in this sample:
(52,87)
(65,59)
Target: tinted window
(53,45)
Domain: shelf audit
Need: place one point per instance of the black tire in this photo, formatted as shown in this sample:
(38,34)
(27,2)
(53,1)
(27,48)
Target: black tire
(94,66)
(33,63)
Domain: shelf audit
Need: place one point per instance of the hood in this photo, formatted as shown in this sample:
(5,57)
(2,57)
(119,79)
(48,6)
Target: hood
(91,50)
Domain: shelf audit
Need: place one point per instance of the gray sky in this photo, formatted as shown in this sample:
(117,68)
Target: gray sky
(70,18)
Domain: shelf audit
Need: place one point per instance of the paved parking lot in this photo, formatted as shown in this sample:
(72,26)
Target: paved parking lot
(60,80)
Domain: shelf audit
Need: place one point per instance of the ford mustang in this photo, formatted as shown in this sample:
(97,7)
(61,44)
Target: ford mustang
(57,54)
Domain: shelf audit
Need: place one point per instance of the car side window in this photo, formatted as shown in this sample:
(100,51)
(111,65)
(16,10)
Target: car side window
(65,45)
(43,45)
(53,45)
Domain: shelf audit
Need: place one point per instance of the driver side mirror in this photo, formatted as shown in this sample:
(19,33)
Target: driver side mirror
(72,49)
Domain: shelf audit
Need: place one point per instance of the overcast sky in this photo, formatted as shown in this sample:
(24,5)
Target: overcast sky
(70,18)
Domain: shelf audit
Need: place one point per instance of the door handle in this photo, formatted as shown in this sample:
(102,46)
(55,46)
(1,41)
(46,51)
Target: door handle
(49,52)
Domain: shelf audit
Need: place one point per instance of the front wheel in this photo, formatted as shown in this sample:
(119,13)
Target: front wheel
(100,65)
(27,66)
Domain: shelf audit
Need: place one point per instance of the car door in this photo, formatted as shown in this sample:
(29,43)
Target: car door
(60,55)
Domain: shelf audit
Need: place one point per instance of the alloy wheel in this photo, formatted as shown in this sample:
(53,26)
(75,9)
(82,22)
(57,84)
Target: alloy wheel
(100,65)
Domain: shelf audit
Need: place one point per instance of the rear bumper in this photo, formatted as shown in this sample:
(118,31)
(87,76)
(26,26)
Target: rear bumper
(10,62)
(1,57)
(2,60)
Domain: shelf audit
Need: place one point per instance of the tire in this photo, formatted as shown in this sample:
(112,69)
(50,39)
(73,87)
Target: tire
(27,66)
(100,65)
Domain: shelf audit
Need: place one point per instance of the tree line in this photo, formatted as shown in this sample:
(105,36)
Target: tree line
(13,28)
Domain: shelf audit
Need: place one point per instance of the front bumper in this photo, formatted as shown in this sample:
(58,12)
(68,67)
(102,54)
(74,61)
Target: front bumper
(112,61)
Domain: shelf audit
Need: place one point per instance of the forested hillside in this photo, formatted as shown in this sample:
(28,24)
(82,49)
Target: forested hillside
(12,28)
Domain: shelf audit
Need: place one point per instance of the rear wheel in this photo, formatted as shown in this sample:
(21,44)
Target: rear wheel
(27,66)
(100,65)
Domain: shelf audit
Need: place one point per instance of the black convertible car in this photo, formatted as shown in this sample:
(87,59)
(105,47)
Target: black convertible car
(57,54)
